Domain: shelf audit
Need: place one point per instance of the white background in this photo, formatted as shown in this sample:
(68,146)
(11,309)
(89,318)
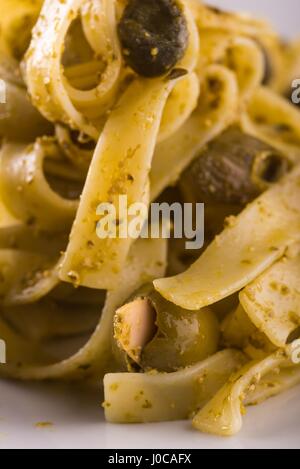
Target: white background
(78,419)
(285,14)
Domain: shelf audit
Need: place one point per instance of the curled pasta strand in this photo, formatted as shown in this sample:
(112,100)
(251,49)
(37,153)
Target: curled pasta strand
(146,260)
(272,119)
(255,382)
(78,154)
(27,193)
(242,55)
(47,84)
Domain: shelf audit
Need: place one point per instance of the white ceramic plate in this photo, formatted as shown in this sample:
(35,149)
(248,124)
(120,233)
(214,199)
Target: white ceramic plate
(77,418)
(78,422)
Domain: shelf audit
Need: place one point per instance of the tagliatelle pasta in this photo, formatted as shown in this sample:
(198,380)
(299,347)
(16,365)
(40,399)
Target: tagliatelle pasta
(164,102)
(271,118)
(216,110)
(239,255)
(128,145)
(277,314)
(149,397)
(253,383)
(95,357)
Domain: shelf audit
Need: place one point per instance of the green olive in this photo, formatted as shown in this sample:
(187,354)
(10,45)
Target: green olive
(156,334)
(153,35)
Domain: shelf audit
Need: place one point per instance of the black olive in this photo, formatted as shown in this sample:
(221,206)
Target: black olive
(154,36)
(232,171)
(271,168)
(235,168)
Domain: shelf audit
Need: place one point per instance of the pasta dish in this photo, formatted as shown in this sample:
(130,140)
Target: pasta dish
(159,101)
